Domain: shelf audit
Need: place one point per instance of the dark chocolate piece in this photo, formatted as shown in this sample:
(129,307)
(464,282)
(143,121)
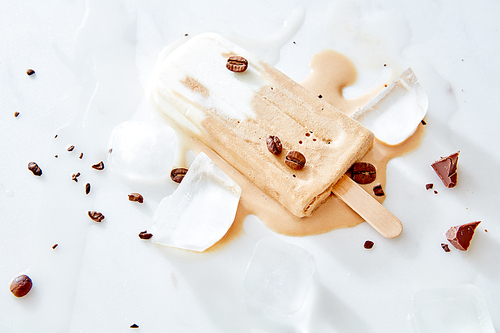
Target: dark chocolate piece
(446,169)
(70,148)
(98,166)
(368,244)
(16,114)
(96,216)
(33,167)
(81,156)
(87,188)
(54,246)
(378,191)
(429,186)
(30,72)
(461,235)
(134,326)
(145,235)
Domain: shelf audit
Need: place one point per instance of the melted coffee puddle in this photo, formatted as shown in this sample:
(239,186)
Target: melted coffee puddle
(331,72)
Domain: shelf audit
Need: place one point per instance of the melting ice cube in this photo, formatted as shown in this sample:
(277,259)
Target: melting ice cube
(456,309)
(143,150)
(394,114)
(200,211)
(277,277)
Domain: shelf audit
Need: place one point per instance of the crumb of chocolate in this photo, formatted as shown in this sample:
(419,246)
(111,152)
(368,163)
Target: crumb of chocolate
(16,114)
(55,136)
(445,247)
(429,186)
(70,148)
(110,150)
(136,197)
(423,122)
(320,96)
(435,192)
(186,35)
(54,246)
(460,236)
(135,325)
(385,65)
(485,230)
(56,156)
(30,72)
(145,235)
(81,156)
(378,191)
(33,167)
(368,244)
(385,85)
(75,176)
(21,285)
(98,166)
(96,216)
(294,42)
(446,169)
(87,188)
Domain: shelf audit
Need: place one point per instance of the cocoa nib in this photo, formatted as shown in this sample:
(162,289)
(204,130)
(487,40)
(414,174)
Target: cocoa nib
(274,144)
(378,191)
(96,216)
(460,236)
(33,167)
(98,166)
(446,169)
(177,174)
(362,172)
(135,197)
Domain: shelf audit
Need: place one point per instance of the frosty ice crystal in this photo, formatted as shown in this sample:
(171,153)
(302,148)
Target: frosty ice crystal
(394,114)
(201,210)
(278,277)
(143,150)
(454,309)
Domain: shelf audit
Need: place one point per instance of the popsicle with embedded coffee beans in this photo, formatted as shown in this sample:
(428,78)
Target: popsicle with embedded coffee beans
(291,144)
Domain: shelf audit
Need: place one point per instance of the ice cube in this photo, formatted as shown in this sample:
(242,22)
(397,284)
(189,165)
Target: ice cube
(200,211)
(394,114)
(143,150)
(277,278)
(454,309)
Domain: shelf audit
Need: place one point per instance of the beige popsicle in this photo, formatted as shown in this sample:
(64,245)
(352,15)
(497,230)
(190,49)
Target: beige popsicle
(234,113)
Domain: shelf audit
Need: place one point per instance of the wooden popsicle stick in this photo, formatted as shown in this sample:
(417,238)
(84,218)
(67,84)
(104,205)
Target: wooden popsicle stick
(367,207)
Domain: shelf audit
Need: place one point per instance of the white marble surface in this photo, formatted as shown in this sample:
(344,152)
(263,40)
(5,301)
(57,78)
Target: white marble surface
(92,61)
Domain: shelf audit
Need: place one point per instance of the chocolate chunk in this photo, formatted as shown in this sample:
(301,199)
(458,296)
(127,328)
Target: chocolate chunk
(16,114)
(33,167)
(423,122)
(145,235)
(368,244)
(75,176)
(21,285)
(177,174)
(429,186)
(362,172)
(96,216)
(445,247)
(237,64)
(435,192)
(446,169)
(378,191)
(98,166)
(136,197)
(135,325)
(461,235)
(274,144)
(87,188)
(30,72)
(320,96)
(81,156)
(295,160)
(54,246)
(70,148)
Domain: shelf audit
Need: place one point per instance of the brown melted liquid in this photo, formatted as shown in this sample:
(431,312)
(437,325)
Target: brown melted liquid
(330,73)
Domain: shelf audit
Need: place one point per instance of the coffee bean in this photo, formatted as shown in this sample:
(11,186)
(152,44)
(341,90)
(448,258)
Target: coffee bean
(33,167)
(368,244)
(145,235)
(87,188)
(274,144)
(21,285)
(96,216)
(98,166)
(177,174)
(237,64)
(135,197)
(377,189)
(30,72)
(295,160)
(362,172)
